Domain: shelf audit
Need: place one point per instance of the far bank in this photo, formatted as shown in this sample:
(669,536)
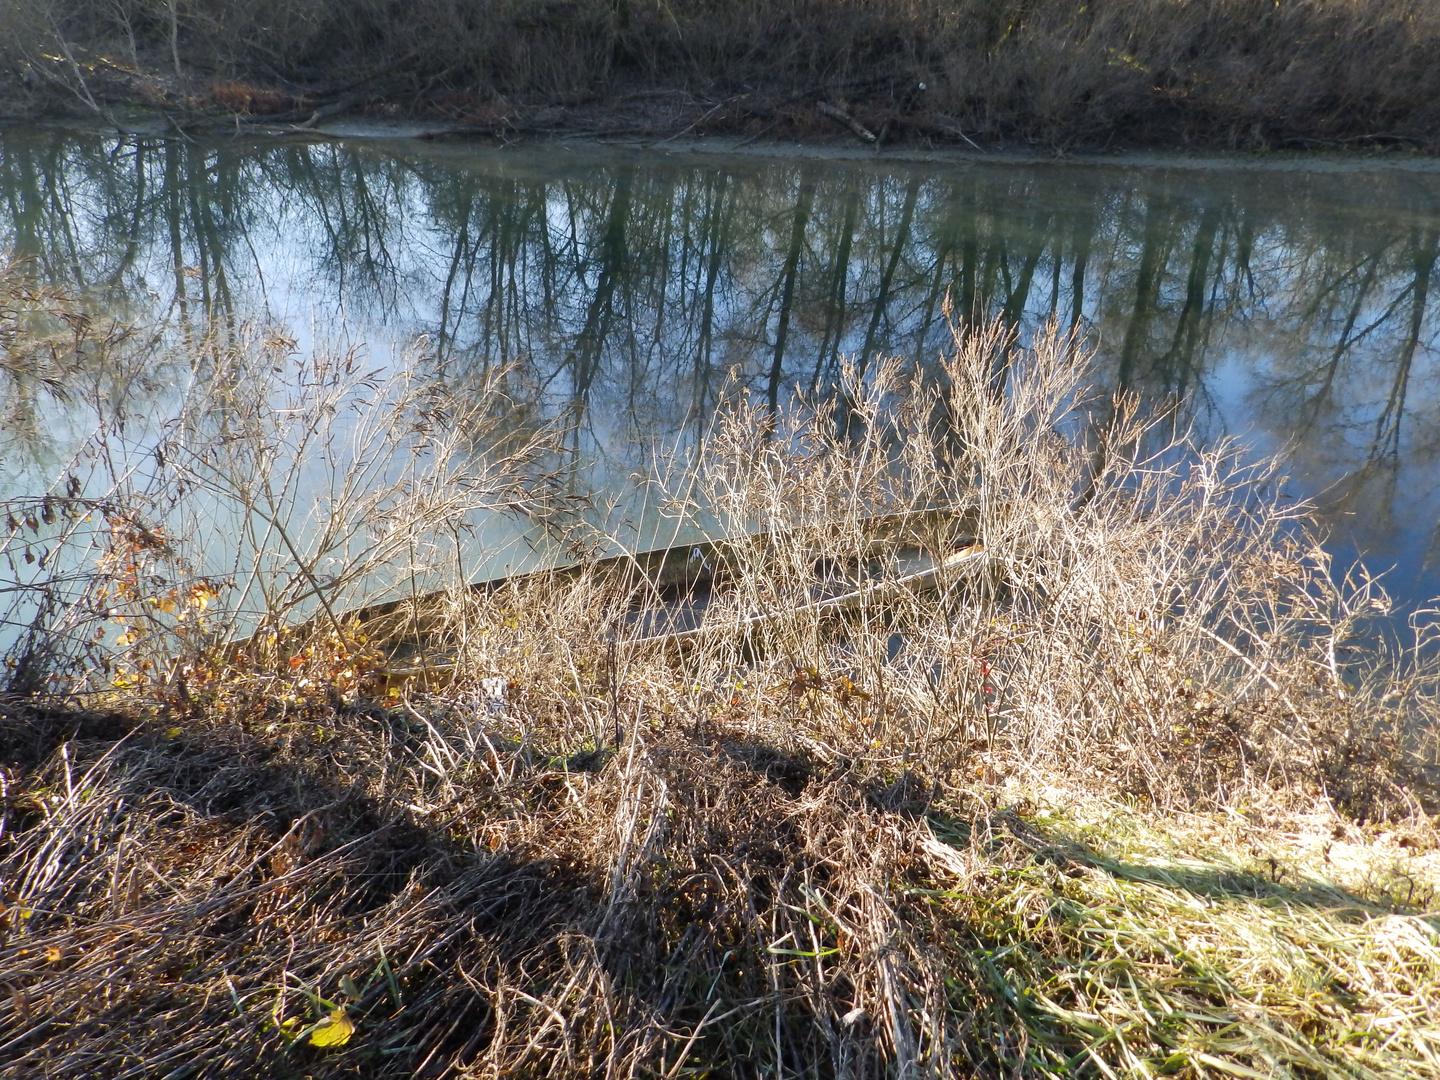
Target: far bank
(1028,75)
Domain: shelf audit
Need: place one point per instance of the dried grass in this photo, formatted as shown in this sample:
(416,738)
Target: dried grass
(1130,790)
(694,903)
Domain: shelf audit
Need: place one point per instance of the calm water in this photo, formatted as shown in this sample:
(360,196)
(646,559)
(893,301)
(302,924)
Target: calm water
(1293,307)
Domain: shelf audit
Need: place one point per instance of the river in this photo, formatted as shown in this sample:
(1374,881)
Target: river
(1290,303)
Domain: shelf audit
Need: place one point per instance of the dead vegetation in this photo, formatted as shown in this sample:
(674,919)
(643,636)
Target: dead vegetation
(1134,789)
(321,902)
(1206,73)
(47,339)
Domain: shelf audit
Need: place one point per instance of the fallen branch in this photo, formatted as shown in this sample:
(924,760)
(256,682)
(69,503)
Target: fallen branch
(695,124)
(948,126)
(861,132)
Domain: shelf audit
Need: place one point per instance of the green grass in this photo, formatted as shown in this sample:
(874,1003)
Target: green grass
(1153,944)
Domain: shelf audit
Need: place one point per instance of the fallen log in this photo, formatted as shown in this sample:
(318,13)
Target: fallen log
(860,131)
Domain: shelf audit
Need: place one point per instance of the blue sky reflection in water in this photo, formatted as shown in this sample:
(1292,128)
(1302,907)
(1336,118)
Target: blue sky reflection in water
(1292,305)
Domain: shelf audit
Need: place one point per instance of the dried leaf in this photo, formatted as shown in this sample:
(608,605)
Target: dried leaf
(334,1030)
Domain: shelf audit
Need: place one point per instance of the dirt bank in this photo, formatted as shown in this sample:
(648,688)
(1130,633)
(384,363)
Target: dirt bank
(1042,74)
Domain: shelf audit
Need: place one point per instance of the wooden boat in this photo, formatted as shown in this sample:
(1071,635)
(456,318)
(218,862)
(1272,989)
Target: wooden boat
(681,594)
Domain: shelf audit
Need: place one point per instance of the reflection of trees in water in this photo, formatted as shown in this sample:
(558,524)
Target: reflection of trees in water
(623,289)
(1347,372)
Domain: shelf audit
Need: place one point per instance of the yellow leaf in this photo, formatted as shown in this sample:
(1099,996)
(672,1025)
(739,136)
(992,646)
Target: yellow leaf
(165,604)
(334,1030)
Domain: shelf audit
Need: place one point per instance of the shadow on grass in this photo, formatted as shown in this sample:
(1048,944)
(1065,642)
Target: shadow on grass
(229,891)
(195,902)
(1090,960)
(1216,882)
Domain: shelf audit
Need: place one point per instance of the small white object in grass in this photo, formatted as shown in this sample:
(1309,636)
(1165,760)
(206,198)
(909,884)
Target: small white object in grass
(492,691)
(853,1017)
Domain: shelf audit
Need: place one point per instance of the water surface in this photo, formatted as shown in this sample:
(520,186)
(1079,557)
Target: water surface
(624,288)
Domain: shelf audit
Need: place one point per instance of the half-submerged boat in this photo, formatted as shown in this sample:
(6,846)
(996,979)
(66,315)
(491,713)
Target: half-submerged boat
(682,594)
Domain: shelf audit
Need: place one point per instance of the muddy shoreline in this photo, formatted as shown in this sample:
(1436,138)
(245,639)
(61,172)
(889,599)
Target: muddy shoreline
(440,138)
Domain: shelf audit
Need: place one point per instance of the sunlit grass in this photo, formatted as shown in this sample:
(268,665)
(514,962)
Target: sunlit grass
(1208,944)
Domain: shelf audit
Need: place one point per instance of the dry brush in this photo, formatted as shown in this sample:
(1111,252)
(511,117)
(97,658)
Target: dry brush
(1023,815)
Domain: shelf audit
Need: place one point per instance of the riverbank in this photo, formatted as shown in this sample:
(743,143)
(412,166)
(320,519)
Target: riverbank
(1217,75)
(359,891)
(1137,787)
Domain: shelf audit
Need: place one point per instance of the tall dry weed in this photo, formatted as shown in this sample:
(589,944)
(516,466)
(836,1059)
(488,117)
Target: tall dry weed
(279,491)
(1131,605)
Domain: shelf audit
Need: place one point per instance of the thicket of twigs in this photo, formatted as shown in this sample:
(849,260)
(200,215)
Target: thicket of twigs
(1104,797)
(1217,73)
